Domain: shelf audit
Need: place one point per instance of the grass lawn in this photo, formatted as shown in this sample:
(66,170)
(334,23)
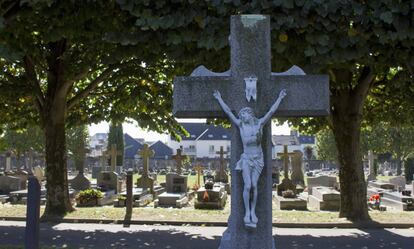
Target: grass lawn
(191,214)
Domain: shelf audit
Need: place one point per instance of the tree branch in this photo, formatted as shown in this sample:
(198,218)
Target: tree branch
(32,78)
(365,83)
(85,92)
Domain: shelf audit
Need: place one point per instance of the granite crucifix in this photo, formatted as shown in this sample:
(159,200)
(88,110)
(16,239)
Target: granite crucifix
(250,83)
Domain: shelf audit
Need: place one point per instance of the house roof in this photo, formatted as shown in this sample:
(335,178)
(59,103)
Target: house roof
(131,146)
(203,131)
(307,139)
(284,140)
(162,151)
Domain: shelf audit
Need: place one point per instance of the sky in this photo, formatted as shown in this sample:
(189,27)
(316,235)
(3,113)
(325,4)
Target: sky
(133,130)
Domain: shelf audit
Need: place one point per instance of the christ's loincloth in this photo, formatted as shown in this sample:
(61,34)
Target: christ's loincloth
(251,162)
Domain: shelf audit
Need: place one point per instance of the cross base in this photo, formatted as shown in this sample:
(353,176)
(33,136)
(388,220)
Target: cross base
(228,243)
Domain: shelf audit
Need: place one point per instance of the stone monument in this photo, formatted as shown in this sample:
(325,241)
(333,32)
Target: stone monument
(113,154)
(250,60)
(287,183)
(371,175)
(145,181)
(179,161)
(221,174)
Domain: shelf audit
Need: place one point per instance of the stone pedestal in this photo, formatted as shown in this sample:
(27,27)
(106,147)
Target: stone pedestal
(324,199)
(283,203)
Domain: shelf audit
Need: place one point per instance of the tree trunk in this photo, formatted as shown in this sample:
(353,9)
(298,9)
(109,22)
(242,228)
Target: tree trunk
(58,202)
(347,102)
(351,173)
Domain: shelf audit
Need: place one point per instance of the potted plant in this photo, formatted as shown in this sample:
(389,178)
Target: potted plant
(121,202)
(89,198)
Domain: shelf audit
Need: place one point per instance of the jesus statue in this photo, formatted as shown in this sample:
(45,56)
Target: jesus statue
(251,161)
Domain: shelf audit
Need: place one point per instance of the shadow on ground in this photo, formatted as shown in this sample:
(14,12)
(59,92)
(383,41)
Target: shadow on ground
(202,238)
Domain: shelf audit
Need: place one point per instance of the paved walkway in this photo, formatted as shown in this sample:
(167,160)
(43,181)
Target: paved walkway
(185,237)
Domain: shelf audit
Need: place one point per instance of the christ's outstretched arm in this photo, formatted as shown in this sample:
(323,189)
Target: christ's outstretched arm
(225,108)
(273,109)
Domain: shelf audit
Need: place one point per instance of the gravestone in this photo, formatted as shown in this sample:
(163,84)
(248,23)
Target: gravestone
(108,181)
(176,194)
(10,184)
(275,174)
(297,169)
(211,198)
(80,182)
(321,181)
(221,174)
(178,158)
(371,165)
(398,181)
(145,181)
(32,214)
(287,183)
(250,55)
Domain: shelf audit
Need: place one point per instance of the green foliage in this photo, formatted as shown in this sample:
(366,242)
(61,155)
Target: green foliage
(89,195)
(326,145)
(116,136)
(23,140)
(77,140)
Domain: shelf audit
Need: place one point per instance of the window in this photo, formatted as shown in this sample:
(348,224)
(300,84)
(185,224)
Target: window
(210,135)
(224,136)
(193,136)
(211,149)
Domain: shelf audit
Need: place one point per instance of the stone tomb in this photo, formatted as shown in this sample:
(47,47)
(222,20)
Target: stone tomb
(397,201)
(140,197)
(110,184)
(20,196)
(321,181)
(398,181)
(176,195)
(211,197)
(10,183)
(324,199)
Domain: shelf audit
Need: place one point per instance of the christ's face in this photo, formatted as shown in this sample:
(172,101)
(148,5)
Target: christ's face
(246,117)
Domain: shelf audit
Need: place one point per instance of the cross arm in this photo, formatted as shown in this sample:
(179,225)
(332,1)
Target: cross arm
(193,96)
(307,95)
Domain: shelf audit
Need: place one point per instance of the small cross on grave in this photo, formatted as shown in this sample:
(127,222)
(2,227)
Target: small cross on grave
(199,168)
(287,183)
(145,181)
(145,154)
(222,172)
(250,83)
(179,160)
(113,154)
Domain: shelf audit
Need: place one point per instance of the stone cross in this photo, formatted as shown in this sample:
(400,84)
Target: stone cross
(371,158)
(287,183)
(307,95)
(285,156)
(113,154)
(179,160)
(199,168)
(222,161)
(145,154)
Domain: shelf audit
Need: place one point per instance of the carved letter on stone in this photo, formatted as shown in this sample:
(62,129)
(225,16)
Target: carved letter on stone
(251,91)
